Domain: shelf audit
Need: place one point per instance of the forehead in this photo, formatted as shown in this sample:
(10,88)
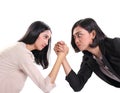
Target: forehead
(47,32)
(78,29)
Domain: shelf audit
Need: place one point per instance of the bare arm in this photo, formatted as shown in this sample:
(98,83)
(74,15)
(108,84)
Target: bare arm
(61,48)
(66,66)
(56,67)
(59,60)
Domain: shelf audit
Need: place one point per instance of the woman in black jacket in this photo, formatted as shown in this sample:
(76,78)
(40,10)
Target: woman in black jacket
(101,55)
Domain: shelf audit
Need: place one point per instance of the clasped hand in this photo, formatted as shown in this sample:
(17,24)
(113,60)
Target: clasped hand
(61,48)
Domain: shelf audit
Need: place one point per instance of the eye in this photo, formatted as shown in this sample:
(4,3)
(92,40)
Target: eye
(46,36)
(79,35)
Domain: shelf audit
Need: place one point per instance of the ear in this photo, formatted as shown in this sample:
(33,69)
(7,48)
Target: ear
(93,34)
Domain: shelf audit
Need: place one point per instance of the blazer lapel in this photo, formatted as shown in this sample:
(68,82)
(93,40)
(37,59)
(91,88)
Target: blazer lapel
(105,61)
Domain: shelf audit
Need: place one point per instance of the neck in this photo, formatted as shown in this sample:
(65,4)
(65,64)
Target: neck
(30,47)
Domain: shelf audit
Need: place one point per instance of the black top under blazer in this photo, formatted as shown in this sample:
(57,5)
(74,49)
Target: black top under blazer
(110,49)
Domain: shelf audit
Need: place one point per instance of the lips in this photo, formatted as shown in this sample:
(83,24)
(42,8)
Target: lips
(43,46)
(78,45)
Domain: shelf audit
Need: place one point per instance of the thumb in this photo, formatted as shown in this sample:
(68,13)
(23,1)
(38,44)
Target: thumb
(62,42)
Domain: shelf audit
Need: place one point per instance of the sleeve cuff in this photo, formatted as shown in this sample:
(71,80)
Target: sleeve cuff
(49,85)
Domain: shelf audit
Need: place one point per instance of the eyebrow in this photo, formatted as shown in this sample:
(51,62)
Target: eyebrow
(47,35)
(76,33)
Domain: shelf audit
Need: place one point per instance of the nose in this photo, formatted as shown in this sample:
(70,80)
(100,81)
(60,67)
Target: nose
(46,42)
(76,40)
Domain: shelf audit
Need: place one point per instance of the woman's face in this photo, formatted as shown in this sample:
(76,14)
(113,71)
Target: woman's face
(42,40)
(83,38)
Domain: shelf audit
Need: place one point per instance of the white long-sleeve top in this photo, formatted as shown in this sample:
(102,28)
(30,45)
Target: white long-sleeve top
(16,63)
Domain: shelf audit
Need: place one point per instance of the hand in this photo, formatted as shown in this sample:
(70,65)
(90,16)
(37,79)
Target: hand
(58,47)
(61,48)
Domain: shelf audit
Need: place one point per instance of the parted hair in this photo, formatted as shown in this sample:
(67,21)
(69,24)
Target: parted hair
(88,24)
(37,27)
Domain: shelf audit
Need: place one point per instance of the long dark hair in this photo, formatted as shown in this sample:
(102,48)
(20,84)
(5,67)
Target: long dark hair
(37,27)
(88,24)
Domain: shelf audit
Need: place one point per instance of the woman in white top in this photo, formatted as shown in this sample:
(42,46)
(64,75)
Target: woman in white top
(17,62)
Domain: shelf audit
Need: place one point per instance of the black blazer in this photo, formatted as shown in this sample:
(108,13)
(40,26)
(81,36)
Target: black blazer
(110,49)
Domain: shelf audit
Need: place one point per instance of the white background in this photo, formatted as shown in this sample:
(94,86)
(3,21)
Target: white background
(60,15)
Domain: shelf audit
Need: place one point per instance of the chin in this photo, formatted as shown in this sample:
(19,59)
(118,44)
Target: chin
(40,49)
(81,49)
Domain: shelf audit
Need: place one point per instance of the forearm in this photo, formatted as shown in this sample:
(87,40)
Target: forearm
(56,67)
(66,66)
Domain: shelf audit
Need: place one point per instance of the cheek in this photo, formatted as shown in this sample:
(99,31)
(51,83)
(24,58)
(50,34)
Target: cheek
(86,41)
(90,40)
(40,40)
(38,43)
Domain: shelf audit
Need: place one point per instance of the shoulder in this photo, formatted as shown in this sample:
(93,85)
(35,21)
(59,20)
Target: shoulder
(116,45)
(113,42)
(21,48)
(17,50)
(110,45)
(109,42)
